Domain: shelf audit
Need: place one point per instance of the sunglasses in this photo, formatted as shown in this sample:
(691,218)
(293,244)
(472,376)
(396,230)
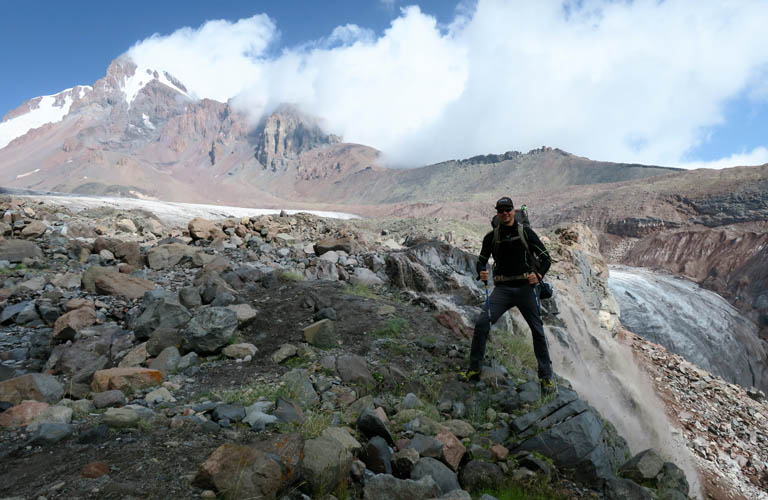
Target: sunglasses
(504,210)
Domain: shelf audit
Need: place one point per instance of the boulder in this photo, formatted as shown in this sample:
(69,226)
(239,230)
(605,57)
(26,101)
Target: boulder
(125,379)
(345,244)
(70,324)
(453,450)
(403,462)
(135,357)
(343,436)
(477,475)
(22,414)
(15,251)
(387,487)
(321,334)
(167,361)
(371,425)
(240,472)
(32,386)
(354,370)
(626,489)
(159,395)
(284,352)
(209,330)
(239,351)
(121,417)
(299,385)
(108,399)
(377,456)
(125,225)
(245,313)
(162,310)
(203,229)
(364,276)
(444,477)
(34,229)
(643,467)
(326,463)
(574,436)
(50,433)
(122,285)
(169,255)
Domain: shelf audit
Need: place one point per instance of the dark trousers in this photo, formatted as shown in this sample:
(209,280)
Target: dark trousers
(504,297)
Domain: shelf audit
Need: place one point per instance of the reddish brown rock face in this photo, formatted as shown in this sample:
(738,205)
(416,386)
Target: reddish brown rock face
(22,414)
(95,469)
(125,378)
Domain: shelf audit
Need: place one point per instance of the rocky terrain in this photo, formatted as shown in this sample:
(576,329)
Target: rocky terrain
(302,357)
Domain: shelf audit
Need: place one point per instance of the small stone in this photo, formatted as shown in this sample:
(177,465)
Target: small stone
(159,395)
(95,469)
(284,352)
(240,351)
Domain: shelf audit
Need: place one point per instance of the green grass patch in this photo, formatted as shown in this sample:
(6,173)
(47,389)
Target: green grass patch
(361,290)
(285,275)
(514,352)
(246,396)
(392,328)
(534,490)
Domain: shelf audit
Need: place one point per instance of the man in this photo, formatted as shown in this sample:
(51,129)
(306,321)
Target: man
(516,279)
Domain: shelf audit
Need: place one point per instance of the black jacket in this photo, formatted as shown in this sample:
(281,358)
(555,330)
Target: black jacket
(512,259)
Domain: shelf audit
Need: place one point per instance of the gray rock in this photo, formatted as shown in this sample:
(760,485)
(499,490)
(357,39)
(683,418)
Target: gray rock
(187,361)
(443,476)
(162,309)
(626,489)
(672,477)
(167,361)
(321,334)
(299,385)
(326,462)
(377,456)
(371,425)
(209,329)
(354,370)
(190,297)
(411,401)
(162,338)
(257,419)
(643,467)
(50,433)
(427,446)
(460,495)
(94,435)
(287,411)
(15,251)
(284,352)
(121,417)
(10,312)
(36,386)
(364,276)
(387,487)
(574,436)
(403,462)
(107,399)
(231,412)
(477,475)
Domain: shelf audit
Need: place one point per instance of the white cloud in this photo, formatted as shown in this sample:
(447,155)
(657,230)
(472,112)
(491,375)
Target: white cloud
(640,81)
(758,156)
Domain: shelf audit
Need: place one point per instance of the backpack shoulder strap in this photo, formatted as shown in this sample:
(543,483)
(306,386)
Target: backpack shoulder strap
(496,239)
(521,233)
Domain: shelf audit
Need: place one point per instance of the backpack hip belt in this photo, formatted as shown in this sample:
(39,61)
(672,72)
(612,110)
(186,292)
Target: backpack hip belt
(515,277)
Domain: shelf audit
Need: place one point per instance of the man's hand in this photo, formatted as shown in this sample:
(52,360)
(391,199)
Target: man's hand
(484,275)
(533,278)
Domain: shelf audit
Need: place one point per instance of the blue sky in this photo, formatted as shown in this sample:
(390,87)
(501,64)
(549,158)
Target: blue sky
(678,83)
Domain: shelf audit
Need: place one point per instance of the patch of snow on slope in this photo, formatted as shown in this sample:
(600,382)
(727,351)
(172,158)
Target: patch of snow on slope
(46,112)
(28,173)
(133,84)
(147,122)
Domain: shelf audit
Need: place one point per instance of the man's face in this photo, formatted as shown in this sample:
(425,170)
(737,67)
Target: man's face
(506,215)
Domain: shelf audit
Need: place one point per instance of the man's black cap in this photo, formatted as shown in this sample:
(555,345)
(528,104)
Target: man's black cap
(505,202)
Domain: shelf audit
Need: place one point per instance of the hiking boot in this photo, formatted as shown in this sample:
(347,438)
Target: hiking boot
(469,376)
(548,386)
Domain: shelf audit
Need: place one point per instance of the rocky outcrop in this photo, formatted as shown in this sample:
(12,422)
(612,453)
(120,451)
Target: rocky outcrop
(285,134)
